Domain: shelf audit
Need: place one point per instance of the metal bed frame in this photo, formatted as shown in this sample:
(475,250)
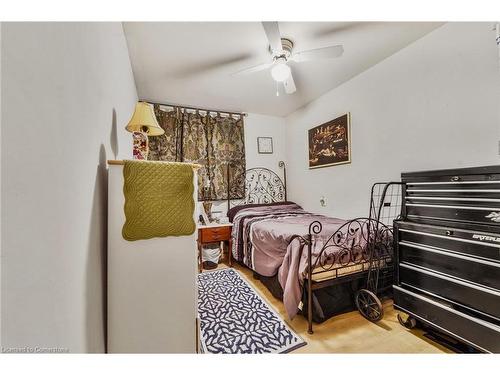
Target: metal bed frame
(365,243)
(262,185)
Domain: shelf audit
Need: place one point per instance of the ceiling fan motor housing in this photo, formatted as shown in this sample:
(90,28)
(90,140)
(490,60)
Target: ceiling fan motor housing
(287,46)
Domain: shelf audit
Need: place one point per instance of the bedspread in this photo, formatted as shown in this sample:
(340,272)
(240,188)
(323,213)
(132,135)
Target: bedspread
(262,240)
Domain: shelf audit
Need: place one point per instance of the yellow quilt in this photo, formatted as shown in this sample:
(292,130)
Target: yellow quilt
(158,199)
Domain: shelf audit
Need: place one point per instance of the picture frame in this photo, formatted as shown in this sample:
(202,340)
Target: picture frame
(264,145)
(203,217)
(330,143)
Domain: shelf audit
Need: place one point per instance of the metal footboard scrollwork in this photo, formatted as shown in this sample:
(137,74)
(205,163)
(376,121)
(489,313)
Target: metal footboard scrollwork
(360,248)
(262,185)
(344,255)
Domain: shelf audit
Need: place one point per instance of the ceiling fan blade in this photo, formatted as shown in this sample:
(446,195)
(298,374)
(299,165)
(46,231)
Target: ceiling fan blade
(210,66)
(253,69)
(289,85)
(273,35)
(333,28)
(318,53)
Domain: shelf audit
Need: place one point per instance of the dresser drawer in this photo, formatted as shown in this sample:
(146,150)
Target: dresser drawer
(474,191)
(467,242)
(466,195)
(479,333)
(457,176)
(473,296)
(475,270)
(481,213)
(215,234)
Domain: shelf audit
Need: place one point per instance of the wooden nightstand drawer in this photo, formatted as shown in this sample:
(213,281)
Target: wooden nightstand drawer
(215,234)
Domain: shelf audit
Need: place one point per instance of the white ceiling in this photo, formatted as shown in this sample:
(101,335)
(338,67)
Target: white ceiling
(167,58)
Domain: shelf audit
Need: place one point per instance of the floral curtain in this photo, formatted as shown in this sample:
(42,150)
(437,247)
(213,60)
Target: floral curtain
(215,142)
(167,146)
(226,149)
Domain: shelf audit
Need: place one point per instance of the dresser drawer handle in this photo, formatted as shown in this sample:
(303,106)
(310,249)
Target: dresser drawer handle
(215,234)
(455,178)
(449,233)
(213,239)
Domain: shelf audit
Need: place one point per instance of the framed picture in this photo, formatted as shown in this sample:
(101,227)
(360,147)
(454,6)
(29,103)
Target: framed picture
(203,217)
(330,143)
(265,145)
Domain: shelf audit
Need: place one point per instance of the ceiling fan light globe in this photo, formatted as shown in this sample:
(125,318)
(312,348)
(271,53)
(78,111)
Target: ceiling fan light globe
(280,72)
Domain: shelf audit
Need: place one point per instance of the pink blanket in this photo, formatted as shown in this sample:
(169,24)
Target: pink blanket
(262,240)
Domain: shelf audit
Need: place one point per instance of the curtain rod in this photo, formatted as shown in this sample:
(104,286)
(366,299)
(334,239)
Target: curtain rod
(196,109)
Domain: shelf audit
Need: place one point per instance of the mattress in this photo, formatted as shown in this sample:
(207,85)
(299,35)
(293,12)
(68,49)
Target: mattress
(266,238)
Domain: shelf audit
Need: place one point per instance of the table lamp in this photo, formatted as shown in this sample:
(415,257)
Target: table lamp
(143,124)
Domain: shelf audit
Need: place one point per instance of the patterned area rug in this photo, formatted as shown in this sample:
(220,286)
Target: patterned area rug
(235,319)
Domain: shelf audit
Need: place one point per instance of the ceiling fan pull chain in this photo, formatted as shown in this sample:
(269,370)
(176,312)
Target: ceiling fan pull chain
(277,89)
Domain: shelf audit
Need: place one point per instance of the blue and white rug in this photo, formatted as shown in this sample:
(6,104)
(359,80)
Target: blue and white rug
(235,319)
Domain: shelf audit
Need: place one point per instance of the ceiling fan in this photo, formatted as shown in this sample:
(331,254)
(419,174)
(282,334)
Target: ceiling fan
(282,54)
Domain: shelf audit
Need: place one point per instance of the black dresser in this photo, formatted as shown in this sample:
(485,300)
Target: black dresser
(448,253)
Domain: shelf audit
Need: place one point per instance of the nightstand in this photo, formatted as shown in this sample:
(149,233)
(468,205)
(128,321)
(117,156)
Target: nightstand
(214,233)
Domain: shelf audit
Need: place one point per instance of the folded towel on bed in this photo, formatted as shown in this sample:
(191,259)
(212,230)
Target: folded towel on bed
(158,199)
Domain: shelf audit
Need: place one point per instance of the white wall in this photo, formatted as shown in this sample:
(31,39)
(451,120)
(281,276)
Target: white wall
(434,104)
(264,126)
(67,93)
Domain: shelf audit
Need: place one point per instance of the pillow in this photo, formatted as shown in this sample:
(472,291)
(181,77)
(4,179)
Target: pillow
(231,213)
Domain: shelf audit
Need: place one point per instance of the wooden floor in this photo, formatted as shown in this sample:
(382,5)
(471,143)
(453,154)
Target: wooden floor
(350,332)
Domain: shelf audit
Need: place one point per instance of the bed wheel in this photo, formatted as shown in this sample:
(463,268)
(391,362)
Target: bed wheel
(369,305)
(408,322)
